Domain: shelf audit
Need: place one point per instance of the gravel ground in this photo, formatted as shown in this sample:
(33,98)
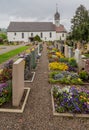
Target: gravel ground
(38,111)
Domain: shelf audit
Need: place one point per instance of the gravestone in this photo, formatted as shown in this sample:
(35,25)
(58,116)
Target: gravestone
(39,52)
(77,55)
(88,47)
(66,51)
(27,70)
(33,59)
(87,65)
(70,52)
(62,48)
(17,81)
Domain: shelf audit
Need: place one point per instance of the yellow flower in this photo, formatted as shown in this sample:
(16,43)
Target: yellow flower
(32,49)
(58,66)
(59,54)
(79,79)
(27,51)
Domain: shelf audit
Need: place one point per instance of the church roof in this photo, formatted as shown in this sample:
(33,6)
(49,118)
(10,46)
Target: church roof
(30,26)
(60,29)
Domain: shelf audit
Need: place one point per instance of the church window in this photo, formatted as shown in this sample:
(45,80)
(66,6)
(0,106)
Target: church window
(22,35)
(41,34)
(31,34)
(15,33)
(62,34)
(50,34)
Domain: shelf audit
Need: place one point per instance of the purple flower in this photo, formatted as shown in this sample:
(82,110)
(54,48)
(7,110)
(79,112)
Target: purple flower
(3,85)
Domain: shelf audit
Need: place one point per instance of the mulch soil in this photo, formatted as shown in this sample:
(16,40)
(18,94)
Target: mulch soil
(38,113)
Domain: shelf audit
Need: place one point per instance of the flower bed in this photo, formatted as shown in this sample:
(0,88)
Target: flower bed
(5,92)
(64,77)
(58,66)
(70,100)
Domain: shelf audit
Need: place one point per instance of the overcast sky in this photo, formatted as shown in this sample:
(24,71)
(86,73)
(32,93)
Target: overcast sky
(38,10)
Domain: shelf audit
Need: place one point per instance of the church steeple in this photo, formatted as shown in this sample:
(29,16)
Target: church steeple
(57,17)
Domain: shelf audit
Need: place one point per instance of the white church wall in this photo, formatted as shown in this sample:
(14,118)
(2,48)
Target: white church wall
(45,35)
(61,36)
(17,36)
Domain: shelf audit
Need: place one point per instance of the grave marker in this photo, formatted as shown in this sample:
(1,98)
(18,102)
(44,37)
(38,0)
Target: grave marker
(17,81)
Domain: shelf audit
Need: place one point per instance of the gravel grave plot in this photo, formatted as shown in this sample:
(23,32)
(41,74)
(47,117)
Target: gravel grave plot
(38,114)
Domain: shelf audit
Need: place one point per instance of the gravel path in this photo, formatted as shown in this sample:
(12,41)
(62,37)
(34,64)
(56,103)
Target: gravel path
(38,112)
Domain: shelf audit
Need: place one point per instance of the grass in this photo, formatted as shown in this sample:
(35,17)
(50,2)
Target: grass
(87,55)
(6,56)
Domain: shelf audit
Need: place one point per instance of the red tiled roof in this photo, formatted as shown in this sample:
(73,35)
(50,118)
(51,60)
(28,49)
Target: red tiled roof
(60,29)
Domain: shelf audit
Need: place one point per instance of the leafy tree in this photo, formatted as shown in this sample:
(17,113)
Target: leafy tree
(37,38)
(3,36)
(80,24)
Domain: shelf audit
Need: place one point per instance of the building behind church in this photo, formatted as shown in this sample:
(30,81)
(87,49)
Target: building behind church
(47,31)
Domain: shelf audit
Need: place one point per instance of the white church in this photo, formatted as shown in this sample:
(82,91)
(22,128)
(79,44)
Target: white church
(26,31)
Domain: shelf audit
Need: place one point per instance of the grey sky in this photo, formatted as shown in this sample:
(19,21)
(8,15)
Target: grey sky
(38,10)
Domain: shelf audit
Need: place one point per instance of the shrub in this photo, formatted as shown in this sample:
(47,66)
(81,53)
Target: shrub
(72,62)
(37,38)
(63,59)
(84,75)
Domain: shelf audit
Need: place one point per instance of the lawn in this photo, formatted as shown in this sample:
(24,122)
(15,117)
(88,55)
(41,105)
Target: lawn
(87,55)
(6,56)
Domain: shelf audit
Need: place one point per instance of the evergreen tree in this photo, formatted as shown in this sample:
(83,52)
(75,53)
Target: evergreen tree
(80,24)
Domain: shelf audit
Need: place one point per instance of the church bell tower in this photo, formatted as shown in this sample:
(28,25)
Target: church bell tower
(57,17)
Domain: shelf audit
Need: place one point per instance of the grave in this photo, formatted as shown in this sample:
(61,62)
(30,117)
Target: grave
(66,51)
(70,52)
(77,55)
(87,65)
(17,81)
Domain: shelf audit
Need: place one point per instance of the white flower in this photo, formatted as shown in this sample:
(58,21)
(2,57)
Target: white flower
(66,89)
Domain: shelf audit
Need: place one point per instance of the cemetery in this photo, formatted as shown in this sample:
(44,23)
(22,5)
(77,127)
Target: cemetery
(69,74)
(24,79)
(44,73)
(13,76)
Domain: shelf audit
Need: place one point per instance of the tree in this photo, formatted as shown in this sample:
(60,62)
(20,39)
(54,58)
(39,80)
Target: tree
(80,24)
(3,36)
(37,38)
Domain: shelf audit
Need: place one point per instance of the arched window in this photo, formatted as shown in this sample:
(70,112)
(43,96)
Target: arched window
(50,34)
(22,35)
(31,34)
(41,35)
(15,33)
(62,34)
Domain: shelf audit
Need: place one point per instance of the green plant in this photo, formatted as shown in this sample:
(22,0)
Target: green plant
(63,59)
(72,62)
(3,36)
(37,38)
(84,75)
